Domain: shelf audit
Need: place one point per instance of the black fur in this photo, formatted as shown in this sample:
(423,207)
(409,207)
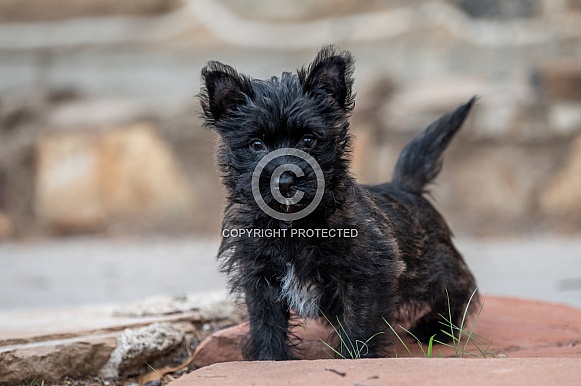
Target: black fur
(401,265)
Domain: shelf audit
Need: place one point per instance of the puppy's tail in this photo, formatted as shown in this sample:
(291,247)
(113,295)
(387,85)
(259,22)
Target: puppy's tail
(420,161)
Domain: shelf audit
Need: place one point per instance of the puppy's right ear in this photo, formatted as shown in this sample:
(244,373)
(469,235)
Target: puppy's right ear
(223,89)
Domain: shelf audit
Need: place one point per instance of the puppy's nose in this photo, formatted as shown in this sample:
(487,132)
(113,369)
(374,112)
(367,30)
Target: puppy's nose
(286,182)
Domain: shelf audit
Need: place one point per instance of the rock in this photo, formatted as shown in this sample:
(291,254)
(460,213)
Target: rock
(517,328)
(574,4)
(481,182)
(301,10)
(507,113)
(390,371)
(87,180)
(6,226)
(562,196)
(94,113)
(360,160)
(221,346)
(79,357)
(52,344)
(559,80)
(213,305)
(415,106)
(565,118)
(497,9)
(136,347)
(225,345)
(61,9)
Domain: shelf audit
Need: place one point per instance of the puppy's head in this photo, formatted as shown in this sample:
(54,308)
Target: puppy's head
(264,120)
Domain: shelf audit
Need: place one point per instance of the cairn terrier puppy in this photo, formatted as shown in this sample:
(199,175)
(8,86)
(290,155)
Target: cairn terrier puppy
(300,234)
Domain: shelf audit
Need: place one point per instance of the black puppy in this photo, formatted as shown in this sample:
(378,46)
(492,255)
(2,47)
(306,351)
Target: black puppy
(360,253)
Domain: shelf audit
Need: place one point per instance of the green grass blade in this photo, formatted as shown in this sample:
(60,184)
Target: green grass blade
(451,323)
(324,342)
(351,349)
(354,349)
(443,344)
(467,307)
(453,337)
(419,342)
(475,319)
(398,337)
(364,345)
(430,346)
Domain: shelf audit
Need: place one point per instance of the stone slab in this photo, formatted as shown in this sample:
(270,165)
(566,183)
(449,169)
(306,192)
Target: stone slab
(394,371)
(49,345)
(52,360)
(111,341)
(22,327)
(34,342)
(513,327)
(561,79)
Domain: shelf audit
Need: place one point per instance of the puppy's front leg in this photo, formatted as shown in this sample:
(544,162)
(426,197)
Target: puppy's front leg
(269,322)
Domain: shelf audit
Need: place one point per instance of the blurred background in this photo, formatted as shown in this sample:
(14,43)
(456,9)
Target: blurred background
(108,188)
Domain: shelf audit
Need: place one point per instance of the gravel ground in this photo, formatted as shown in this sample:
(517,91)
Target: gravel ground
(84,270)
(79,271)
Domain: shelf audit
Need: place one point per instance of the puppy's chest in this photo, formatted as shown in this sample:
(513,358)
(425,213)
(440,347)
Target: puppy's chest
(302,294)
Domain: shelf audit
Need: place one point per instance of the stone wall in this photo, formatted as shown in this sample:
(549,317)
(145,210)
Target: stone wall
(76,74)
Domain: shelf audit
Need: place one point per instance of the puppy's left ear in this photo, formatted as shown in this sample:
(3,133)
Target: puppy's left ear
(331,74)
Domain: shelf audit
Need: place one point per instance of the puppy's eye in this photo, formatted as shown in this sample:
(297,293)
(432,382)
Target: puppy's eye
(308,141)
(257,145)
